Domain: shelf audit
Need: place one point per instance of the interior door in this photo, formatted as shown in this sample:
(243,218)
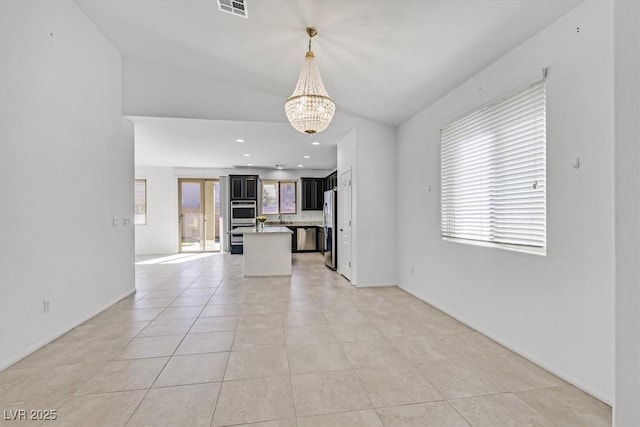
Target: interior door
(344,207)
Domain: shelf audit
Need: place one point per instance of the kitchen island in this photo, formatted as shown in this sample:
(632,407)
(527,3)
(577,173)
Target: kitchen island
(266,252)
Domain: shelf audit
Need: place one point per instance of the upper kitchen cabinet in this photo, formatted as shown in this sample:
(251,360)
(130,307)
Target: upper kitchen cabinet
(243,187)
(332,181)
(312,193)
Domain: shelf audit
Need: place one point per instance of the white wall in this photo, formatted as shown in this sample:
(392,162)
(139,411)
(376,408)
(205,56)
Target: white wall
(66,172)
(375,198)
(160,234)
(556,310)
(626,408)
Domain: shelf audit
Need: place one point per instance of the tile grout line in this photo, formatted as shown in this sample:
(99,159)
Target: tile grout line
(165,364)
(293,397)
(215,405)
(235,332)
(533,408)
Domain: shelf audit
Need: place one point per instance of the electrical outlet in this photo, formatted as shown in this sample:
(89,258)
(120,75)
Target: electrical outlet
(45,306)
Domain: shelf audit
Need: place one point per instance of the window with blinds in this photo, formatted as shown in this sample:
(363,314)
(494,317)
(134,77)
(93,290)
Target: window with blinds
(493,173)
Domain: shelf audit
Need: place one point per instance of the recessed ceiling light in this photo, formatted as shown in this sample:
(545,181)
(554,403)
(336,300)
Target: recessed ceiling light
(315,143)
(239,140)
(249,164)
(247,155)
(307,157)
(300,166)
(279,166)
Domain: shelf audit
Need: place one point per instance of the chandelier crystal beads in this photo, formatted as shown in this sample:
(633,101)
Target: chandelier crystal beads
(309,108)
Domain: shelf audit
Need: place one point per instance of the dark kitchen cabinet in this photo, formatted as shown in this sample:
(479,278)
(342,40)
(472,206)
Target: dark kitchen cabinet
(236,183)
(243,187)
(312,193)
(320,240)
(251,187)
(332,181)
(294,238)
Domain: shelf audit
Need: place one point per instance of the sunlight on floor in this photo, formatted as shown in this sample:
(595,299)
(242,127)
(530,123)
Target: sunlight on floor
(174,259)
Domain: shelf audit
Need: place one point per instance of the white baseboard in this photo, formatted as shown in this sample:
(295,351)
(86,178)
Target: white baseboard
(57,335)
(562,375)
(375,285)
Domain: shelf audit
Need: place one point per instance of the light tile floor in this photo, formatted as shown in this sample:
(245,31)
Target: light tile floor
(198,344)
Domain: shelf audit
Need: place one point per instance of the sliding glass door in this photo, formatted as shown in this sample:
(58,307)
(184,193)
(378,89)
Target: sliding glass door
(212,215)
(199,216)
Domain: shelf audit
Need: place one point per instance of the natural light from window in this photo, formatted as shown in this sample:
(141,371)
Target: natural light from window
(278,197)
(140,202)
(493,164)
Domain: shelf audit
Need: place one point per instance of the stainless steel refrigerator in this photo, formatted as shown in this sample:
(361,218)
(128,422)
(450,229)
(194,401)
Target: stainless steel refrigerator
(330,217)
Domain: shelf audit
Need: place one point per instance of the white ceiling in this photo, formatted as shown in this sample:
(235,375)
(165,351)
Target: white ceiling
(382,60)
(212,143)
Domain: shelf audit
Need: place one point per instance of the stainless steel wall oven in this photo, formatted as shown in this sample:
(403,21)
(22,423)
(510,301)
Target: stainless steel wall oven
(243,214)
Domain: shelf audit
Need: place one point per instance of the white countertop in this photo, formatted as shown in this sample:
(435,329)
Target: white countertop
(294,224)
(267,230)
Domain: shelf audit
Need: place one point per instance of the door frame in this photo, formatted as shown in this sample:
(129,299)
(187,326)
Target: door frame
(202,217)
(345,266)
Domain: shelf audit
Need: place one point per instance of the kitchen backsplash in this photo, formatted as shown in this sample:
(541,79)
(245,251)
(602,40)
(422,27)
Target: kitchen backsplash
(304,216)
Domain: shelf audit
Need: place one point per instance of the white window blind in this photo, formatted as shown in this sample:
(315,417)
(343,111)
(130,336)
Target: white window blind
(493,172)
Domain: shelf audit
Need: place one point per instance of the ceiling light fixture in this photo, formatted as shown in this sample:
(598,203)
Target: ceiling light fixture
(239,140)
(315,143)
(307,157)
(300,166)
(247,155)
(309,108)
(279,166)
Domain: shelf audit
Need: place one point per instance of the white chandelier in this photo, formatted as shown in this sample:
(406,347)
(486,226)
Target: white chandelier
(309,108)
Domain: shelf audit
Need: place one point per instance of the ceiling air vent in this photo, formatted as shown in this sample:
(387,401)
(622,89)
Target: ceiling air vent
(236,7)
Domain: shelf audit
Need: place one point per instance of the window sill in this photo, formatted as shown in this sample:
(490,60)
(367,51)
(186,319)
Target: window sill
(513,248)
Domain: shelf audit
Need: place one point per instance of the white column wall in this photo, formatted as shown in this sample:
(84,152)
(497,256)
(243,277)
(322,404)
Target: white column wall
(347,161)
(626,408)
(369,150)
(375,198)
(557,310)
(66,172)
